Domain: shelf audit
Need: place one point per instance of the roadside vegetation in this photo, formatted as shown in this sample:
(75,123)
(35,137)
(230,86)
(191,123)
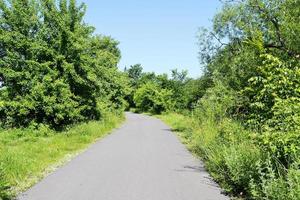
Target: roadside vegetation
(242,115)
(60,88)
(27,155)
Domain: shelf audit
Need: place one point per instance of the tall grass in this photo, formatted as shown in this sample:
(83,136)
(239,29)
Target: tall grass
(27,155)
(233,158)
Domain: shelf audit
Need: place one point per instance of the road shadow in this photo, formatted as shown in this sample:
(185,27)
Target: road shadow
(187,168)
(173,129)
(207,179)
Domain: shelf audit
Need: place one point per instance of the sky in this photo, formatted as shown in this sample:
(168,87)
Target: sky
(158,34)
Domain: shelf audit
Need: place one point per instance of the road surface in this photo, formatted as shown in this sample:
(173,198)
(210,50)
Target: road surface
(142,160)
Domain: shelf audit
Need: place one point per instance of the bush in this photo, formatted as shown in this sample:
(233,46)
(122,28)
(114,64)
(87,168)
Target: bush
(229,155)
(284,147)
(273,96)
(151,98)
(215,104)
(273,185)
(53,68)
(240,160)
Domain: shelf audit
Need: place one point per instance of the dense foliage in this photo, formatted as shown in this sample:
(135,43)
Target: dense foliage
(54,72)
(245,107)
(242,116)
(53,69)
(151,98)
(249,113)
(159,93)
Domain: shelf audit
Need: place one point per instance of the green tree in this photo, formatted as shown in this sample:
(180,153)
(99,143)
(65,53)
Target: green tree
(52,68)
(151,98)
(251,57)
(135,74)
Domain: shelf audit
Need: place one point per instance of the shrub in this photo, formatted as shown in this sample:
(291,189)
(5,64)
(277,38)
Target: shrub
(53,69)
(150,98)
(240,160)
(273,185)
(215,104)
(283,147)
(274,95)
(229,155)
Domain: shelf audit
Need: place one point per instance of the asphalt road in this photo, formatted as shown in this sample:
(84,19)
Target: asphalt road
(142,160)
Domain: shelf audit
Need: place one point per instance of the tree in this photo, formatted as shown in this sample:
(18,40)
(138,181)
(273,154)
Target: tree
(233,51)
(53,69)
(135,74)
(251,59)
(179,76)
(151,98)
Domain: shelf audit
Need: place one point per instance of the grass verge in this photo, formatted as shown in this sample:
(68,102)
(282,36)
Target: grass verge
(233,157)
(28,155)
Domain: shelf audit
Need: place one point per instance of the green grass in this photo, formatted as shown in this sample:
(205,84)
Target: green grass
(182,125)
(222,155)
(28,155)
(233,158)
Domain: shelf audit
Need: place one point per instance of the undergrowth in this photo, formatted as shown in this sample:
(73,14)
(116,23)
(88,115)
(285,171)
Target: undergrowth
(237,160)
(27,155)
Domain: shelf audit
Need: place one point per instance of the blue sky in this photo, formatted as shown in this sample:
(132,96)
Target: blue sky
(159,34)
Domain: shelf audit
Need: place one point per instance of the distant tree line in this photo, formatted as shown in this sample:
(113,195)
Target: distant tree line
(157,93)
